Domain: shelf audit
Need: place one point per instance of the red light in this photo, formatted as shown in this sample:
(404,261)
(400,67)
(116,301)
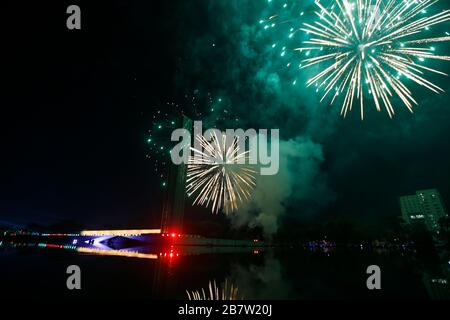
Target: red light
(173,235)
(54,246)
(179,235)
(171,255)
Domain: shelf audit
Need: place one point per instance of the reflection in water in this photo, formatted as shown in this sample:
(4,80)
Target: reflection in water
(118,253)
(437,288)
(166,271)
(143,251)
(228,292)
(87,250)
(262,281)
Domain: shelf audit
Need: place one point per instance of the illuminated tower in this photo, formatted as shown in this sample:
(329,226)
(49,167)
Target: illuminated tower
(432,207)
(425,206)
(175,196)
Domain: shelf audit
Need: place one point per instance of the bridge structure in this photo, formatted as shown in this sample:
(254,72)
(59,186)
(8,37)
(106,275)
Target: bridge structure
(123,233)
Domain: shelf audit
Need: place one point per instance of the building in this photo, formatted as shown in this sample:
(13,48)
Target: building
(437,287)
(426,206)
(411,210)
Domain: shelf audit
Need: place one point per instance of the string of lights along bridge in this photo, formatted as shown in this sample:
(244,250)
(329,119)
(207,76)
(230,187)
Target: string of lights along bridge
(367,49)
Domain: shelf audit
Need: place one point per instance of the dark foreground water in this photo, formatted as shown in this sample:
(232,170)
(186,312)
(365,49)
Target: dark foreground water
(31,271)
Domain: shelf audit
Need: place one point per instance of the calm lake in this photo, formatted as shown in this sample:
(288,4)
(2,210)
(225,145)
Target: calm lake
(38,271)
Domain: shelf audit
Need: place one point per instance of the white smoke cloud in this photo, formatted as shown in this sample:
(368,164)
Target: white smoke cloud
(299,179)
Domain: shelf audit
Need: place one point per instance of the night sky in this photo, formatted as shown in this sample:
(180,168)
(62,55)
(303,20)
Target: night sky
(77,106)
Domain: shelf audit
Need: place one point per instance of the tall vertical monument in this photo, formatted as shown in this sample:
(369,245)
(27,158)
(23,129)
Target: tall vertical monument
(175,196)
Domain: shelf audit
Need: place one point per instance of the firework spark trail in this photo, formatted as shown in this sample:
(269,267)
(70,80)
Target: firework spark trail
(369,46)
(228,292)
(218,174)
